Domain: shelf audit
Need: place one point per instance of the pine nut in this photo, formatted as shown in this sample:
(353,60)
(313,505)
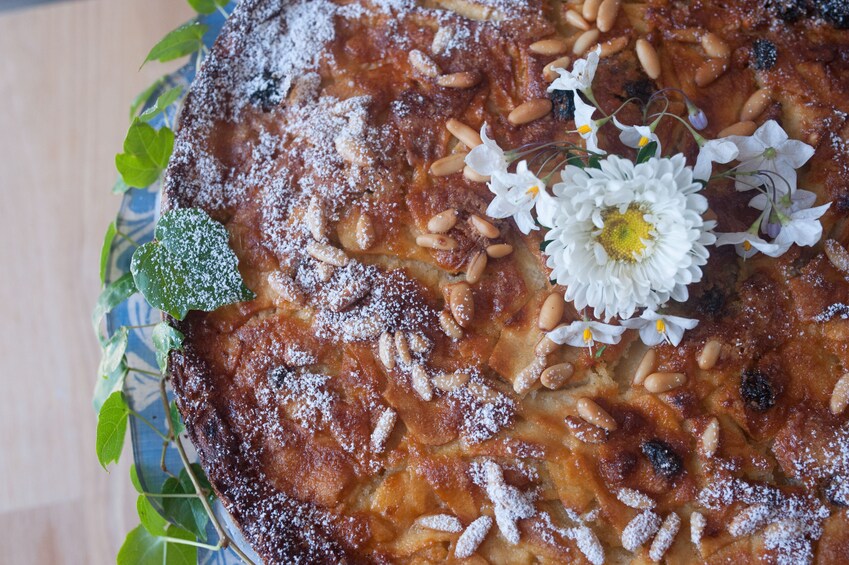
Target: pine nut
(284,288)
(382,430)
(551,312)
(424,64)
(421,382)
(709,355)
(608,10)
(664,537)
(584,41)
(840,395)
(526,378)
(545,346)
(441,39)
(436,241)
(463,79)
(697,528)
(715,47)
(556,376)
(613,46)
(449,165)
(418,342)
(468,136)
(837,256)
(710,70)
(756,104)
(483,392)
(635,499)
(483,227)
(365,232)
(386,350)
(710,438)
(663,382)
(402,346)
(686,35)
(529,111)
(450,381)
(316,220)
(647,55)
(640,530)
(462,303)
(499,250)
(472,175)
(449,326)
(585,431)
(646,367)
(548,47)
(749,520)
(327,254)
(590,10)
(575,19)
(595,414)
(740,128)
(476,267)
(443,221)
(549,73)
(325,271)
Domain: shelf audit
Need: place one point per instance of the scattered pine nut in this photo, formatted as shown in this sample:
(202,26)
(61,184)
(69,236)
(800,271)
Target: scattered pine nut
(755,105)
(365,232)
(436,241)
(584,41)
(608,11)
(585,431)
(590,10)
(548,47)
(646,367)
(648,58)
(526,378)
(664,382)
(551,312)
(714,46)
(549,73)
(483,227)
(575,19)
(596,415)
(468,136)
(448,382)
(530,111)
(418,342)
(462,79)
(640,530)
(441,39)
(473,175)
(664,537)
(709,355)
(386,350)
(462,303)
(424,64)
(740,128)
(840,395)
(710,70)
(476,267)
(710,438)
(613,46)
(402,346)
(449,325)
(421,382)
(837,256)
(472,537)
(327,254)
(382,430)
(556,376)
(545,346)
(443,221)
(449,165)
(316,220)
(499,250)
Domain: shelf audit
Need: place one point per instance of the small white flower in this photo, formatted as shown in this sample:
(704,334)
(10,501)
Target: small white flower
(656,328)
(797,221)
(628,236)
(713,151)
(748,244)
(581,76)
(583,333)
(488,157)
(587,127)
(637,137)
(770,149)
(516,194)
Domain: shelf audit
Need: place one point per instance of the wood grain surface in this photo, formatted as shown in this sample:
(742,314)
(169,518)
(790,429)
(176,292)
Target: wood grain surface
(67,74)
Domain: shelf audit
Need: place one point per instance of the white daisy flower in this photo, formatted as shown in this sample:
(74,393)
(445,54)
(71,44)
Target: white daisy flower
(770,149)
(587,127)
(637,137)
(628,236)
(713,151)
(516,194)
(656,328)
(488,157)
(796,220)
(584,333)
(581,76)
(748,244)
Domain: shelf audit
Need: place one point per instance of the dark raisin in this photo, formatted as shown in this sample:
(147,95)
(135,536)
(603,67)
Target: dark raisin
(836,491)
(278,375)
(563,104)
(640,89)
(841,203)
(788,10)
(712,302)
(835,12)
(764,54)
(756,390)
(663,458)
(267,95)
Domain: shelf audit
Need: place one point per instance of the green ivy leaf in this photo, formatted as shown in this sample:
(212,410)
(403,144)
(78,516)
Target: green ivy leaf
(142,98)
(207,6)
(120,187)
(647,152)
(188,513)
(152,521)
(146,154)
(111,232)
(165,338)
(184,40)
(108,384)
(134,478)
(113,352)
(112,295)
(176,420)
(190,266)
(162,103)
(142,548)
(111,428)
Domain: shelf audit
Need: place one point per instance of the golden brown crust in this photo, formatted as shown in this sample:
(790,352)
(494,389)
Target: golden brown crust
(309,117)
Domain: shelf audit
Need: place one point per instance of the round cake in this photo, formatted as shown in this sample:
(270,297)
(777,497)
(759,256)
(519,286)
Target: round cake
(398,390)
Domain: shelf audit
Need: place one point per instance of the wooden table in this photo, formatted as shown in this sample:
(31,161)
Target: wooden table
(67,74)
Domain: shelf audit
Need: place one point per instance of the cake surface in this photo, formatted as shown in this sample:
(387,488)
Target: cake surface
(347,415)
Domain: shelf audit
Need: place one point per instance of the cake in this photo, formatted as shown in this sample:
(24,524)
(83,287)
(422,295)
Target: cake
(391,394)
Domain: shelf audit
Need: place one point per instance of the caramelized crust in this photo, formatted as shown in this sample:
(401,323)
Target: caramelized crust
(337,409)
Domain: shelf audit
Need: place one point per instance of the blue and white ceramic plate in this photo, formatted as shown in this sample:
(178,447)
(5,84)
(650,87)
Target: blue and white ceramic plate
(137,218)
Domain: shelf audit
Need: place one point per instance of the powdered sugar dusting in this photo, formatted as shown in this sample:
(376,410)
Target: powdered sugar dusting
(472,537)
(640,530)
(665,536)
(634,499)
(441,523)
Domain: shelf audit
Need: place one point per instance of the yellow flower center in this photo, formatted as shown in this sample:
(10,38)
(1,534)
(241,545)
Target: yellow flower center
(533,191)
(747,246)
(643,141)
(660,325)
(584,129)
(623,233)
(588,335)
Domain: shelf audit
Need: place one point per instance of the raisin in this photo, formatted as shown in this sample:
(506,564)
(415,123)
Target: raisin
(278,375)
(640,89)
(835,12)
(663,458)
(267,96)
(788,10)
(764,54)
(836,491)
(563,104)
(712,302)
(841,203)
(756,391)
